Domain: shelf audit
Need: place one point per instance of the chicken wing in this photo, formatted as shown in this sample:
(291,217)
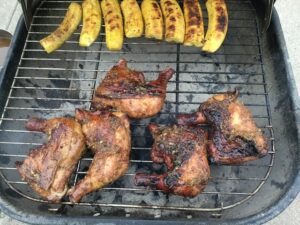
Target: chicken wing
(48,168)
(108,136)
(183,150)
(234,137)
(127,91)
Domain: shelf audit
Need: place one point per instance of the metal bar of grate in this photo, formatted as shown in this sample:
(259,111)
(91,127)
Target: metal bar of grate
(176,81)
(103,34)
(133,148)
(134,43)
(56,25)
(43,84)
(65,9)
(61,17)
(155,71)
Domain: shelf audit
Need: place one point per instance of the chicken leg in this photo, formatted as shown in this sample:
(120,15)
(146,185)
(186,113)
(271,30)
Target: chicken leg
(108,136)
(127,91)
(183,150)
(234,137)
(48,168)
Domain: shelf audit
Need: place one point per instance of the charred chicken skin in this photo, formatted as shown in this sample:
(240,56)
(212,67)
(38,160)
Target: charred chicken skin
(183,150)
(47,169)
(108,136)
(126,90)
(234,137)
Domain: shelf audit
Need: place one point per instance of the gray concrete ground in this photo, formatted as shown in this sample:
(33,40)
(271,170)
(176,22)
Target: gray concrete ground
(290,20)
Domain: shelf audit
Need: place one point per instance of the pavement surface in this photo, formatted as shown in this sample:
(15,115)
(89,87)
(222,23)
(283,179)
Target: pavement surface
(290,20)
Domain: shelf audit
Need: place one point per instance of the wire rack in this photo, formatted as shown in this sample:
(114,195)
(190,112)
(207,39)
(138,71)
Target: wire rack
(50,85)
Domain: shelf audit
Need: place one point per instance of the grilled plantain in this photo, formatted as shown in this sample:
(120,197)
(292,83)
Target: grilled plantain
(133,19)
(91,22)
(113,24)
(174,21)
(194,27)
(217,25)
(65,29)
(154,24)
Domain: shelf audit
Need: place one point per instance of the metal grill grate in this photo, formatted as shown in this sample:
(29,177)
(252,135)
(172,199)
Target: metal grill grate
(55,84)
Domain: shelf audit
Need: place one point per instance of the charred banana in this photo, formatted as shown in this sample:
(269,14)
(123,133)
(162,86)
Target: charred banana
(133,19)
(113,24)
(217,25)
(91,22)
(174,21)
(154,24)
(65,29)
(194,27)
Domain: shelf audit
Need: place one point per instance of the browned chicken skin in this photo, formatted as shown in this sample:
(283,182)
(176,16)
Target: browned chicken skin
(127,91)
(183,150)
(234,137)
(47,169)
(108,136)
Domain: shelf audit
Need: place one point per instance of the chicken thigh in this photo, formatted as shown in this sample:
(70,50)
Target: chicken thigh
(47,169)
(127,91)
(234,137)
(183,150)
(108,136)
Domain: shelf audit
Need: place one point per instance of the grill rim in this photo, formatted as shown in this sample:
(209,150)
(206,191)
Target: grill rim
(220,206)
(264,216)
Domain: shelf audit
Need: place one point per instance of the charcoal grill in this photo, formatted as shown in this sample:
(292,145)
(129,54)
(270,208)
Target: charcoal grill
(37,84)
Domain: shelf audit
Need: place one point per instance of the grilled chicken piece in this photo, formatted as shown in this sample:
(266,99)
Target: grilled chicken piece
(127,91)
(108,136)
(234,137)
(47,169)
(183,150)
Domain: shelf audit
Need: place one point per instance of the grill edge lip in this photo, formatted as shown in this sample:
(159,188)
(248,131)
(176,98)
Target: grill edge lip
(264,216)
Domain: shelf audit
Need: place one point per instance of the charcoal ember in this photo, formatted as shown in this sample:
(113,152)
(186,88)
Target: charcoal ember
(106,196)
(132,198)
(155,198)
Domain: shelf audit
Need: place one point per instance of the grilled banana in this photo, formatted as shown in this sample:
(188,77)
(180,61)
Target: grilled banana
(113,24)
(91,22)
(65,29)
(217,25)
(154,24)
(174,21)
(194,27)
(133,19)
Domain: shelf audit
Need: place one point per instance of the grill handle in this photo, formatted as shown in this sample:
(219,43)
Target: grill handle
(27,11)
(268,15)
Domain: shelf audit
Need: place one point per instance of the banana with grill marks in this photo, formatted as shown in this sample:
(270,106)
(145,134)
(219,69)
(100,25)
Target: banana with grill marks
(154,23)
(65,29)
(194,27)
(92,20)
(217,25)
(133,19)
(113,24)
(174,21)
